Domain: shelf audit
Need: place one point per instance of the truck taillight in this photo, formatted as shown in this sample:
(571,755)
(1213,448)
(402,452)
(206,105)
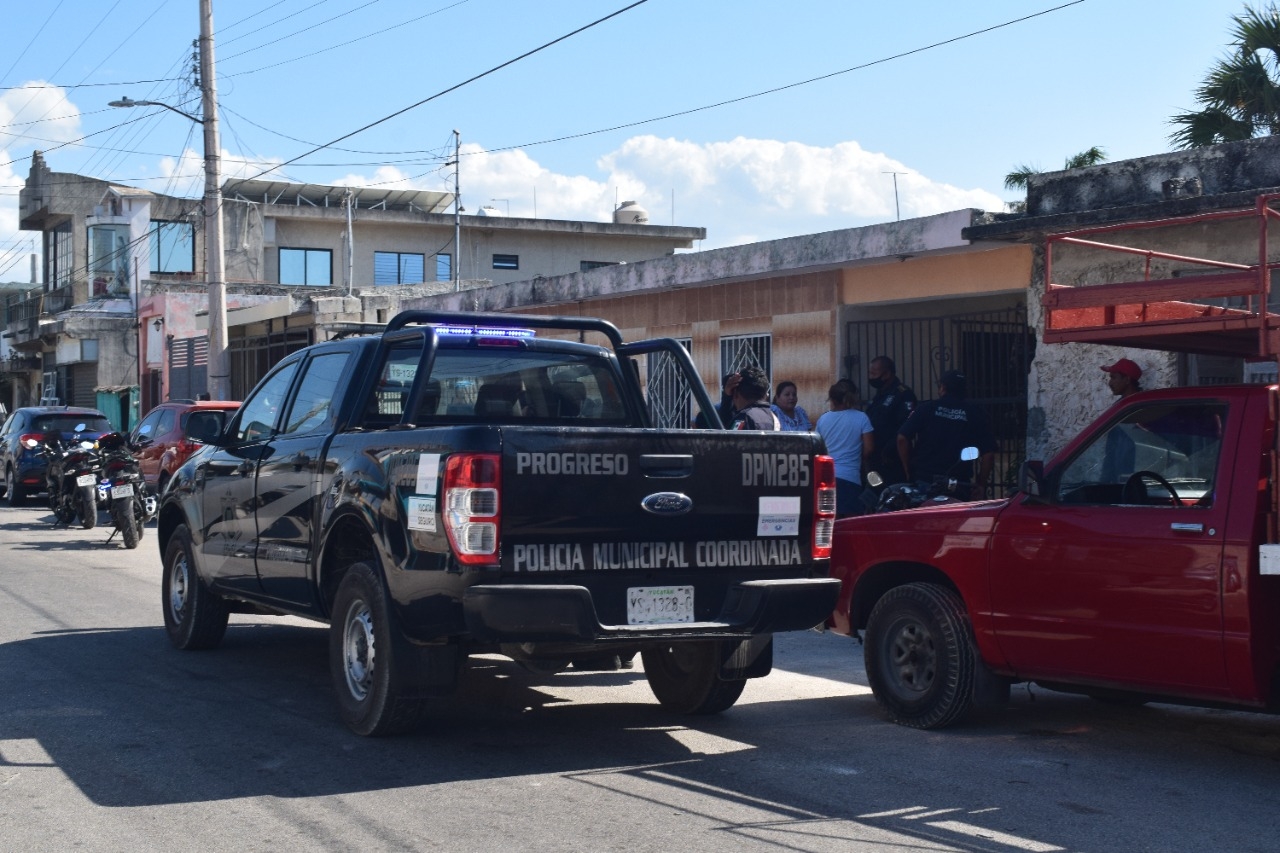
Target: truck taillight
(472,484)
(824,505)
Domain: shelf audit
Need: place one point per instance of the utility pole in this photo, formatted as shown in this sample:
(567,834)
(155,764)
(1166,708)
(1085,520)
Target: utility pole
(896,208)
(219,370)
(457,211)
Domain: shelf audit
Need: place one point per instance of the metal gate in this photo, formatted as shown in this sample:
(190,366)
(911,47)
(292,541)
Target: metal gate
(992,348)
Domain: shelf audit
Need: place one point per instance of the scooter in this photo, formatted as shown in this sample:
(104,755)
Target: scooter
(898,496)
(124,490)
(71,478)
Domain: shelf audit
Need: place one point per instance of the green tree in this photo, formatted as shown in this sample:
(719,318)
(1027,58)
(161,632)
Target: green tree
(1240,96)
(1018,178)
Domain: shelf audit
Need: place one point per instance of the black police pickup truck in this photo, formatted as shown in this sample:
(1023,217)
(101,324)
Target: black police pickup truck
(454,486)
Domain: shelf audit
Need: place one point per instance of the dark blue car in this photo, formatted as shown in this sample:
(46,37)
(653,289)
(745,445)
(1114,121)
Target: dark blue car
(20,458)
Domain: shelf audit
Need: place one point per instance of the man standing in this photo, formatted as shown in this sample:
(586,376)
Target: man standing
(890,409)
(930,442)
(749,389)
(1122,377)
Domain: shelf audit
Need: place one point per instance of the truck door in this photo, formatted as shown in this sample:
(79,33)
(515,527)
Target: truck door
(289,480)
(229,475)
(1114,575)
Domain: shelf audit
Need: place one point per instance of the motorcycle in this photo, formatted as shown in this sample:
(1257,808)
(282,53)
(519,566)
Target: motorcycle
(943,490)
(71,478)
(123,489)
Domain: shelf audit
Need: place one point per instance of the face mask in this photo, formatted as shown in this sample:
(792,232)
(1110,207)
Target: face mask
(876,383)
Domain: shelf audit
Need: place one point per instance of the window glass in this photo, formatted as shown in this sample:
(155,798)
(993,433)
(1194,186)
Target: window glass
(314,401)
(147,427)
(506,262)
(109,260)
(306,266)
(398,268)
(68,423)
(1161,455)
(173,247)
(167,418)
(258,415)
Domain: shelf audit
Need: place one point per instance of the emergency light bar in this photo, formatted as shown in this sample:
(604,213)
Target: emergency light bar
(483,332)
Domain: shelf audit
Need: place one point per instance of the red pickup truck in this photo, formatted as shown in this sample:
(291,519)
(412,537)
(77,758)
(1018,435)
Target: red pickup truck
(1138,565)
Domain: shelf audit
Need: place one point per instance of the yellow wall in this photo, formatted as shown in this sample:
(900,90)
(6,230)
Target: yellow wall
(1002,269)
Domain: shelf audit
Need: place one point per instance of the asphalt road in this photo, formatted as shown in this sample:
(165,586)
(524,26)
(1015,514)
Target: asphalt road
(112,740)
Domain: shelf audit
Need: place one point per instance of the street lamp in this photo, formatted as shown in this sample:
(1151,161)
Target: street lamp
(219,361)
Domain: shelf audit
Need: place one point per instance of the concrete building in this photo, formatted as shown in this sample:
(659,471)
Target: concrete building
(119,318)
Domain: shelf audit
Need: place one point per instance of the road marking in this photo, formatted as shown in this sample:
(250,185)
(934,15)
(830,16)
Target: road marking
(893,813)
(933,813)
(998,837)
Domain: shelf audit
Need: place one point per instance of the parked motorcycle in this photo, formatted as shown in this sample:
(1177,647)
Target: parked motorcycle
(71,478)
(951,488)
(124,490)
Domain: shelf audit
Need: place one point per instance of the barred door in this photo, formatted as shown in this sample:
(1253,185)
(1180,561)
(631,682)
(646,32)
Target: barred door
(669,396)
(992,348)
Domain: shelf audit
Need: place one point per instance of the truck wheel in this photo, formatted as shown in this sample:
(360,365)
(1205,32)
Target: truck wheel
(194,616)
(88,507)
(13,489)
(122,517)
(920,658)
(685,677)
(362,660)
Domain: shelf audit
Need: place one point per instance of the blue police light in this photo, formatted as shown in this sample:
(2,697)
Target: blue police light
(483,332)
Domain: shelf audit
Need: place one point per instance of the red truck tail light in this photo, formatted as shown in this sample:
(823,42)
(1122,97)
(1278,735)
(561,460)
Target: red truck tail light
(472,484)
(824,505)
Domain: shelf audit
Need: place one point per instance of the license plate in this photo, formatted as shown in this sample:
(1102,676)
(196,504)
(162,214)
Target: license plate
(654,605)
(86,480)
(122,490)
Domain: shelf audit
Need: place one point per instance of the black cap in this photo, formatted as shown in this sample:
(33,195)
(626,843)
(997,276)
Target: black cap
(954,382)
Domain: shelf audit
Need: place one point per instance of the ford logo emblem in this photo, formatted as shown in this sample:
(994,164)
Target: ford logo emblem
(667,503)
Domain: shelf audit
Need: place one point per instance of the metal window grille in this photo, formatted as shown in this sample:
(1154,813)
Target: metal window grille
(188,368)
(746,351)
(398,268)
(669,396)
(506,262)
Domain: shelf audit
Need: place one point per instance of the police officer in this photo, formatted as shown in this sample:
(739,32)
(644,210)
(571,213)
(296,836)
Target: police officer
(929,443)
(749,390)
(888,411)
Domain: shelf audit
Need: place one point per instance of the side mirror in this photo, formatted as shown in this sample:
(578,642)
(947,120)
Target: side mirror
(142,442)
(1031,479)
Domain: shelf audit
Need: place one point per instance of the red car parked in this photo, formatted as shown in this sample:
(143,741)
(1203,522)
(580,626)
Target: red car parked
(167,435)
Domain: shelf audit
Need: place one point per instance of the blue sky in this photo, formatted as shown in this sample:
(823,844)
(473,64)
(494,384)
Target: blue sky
(953,118)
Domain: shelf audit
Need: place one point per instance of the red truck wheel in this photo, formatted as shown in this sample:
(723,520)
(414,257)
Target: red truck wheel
(920,657)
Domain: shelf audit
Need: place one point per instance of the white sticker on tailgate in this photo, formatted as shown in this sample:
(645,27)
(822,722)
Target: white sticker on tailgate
(428,470)
(779,517)
(421,514)
(656,605)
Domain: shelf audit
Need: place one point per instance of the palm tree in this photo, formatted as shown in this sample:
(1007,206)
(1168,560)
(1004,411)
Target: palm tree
(1018,178)
(1240,97)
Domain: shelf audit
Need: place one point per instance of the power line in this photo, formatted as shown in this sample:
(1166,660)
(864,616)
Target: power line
(457,86)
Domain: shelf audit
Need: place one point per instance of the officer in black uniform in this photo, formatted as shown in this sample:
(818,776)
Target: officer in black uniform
(930,442)
(750,395)
(888,411)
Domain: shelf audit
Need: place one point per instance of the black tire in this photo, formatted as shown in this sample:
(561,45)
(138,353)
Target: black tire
(87,506)
(122,516)
(685,677)
(13,490)
(363,660)
(194,616)
(920,656)
(64,512)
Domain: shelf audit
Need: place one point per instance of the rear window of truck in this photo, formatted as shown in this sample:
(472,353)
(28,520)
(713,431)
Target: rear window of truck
(505,385)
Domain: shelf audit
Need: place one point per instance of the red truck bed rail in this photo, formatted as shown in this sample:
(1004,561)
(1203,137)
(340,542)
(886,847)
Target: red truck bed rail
(1177,314)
